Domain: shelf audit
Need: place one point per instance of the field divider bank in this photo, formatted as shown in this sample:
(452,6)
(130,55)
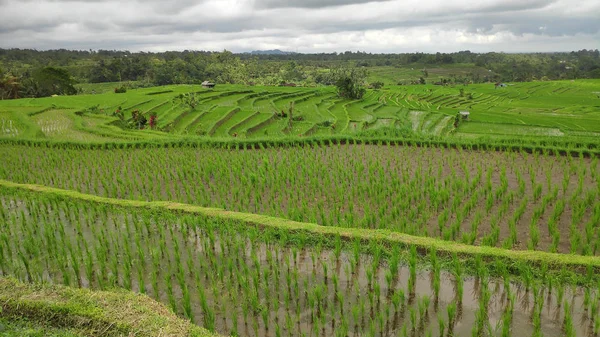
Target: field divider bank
(116,312)
(579,264)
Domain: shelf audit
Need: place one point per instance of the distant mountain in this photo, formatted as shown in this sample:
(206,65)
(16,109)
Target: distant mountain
(272,52)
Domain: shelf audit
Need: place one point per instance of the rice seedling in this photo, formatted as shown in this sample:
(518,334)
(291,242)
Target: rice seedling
(215,266)
(464,192)
(568,327)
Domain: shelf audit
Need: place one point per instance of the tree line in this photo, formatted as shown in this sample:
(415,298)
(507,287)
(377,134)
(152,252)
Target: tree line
(32,73)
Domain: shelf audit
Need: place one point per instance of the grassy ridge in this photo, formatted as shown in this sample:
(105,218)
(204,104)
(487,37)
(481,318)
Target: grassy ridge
(549,261)
(83,312)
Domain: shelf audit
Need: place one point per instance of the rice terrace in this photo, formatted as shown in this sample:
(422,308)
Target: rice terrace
(523,109)
(419,204)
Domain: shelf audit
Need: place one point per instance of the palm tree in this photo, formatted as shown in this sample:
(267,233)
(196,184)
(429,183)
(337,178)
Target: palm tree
(9,87)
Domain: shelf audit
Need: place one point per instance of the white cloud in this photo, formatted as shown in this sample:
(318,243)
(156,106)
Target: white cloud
(306,26)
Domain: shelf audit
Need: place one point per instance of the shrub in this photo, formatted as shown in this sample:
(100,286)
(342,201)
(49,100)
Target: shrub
(152,121)
(377,85)
(138,120)
(325,124)
(457,120)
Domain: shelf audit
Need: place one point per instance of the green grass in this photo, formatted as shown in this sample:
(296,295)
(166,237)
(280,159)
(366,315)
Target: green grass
(508,129)
(100,88)
(47,310)
(394,75)
(24,328)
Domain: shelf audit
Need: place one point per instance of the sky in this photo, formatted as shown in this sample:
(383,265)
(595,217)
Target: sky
(309,26)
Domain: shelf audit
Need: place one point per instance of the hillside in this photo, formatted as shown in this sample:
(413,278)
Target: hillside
(559,110)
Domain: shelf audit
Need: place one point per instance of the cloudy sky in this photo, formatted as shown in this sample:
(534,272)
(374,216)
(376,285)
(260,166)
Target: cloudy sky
(303,26)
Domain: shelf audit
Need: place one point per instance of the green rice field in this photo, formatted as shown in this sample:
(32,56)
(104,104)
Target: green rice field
(386,216)
(548,109)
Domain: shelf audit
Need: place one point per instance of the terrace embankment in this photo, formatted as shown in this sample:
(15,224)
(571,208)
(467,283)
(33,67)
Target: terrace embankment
(52,310)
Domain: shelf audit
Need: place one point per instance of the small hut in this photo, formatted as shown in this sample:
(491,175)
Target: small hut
(464,114)
(208,85)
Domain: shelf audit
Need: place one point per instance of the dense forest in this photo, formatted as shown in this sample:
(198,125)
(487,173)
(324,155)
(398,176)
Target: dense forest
(32,73)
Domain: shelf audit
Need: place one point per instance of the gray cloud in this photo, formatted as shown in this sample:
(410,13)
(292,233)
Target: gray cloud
(311,3)
(306,26)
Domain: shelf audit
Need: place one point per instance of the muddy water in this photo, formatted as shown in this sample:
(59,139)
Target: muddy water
(552,315)
(205,252)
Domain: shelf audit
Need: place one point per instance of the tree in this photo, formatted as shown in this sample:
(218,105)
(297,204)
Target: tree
(9,86)
(102,72)
(350,82)
(188,99)
(225,67)
(51,81)
(292,72)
